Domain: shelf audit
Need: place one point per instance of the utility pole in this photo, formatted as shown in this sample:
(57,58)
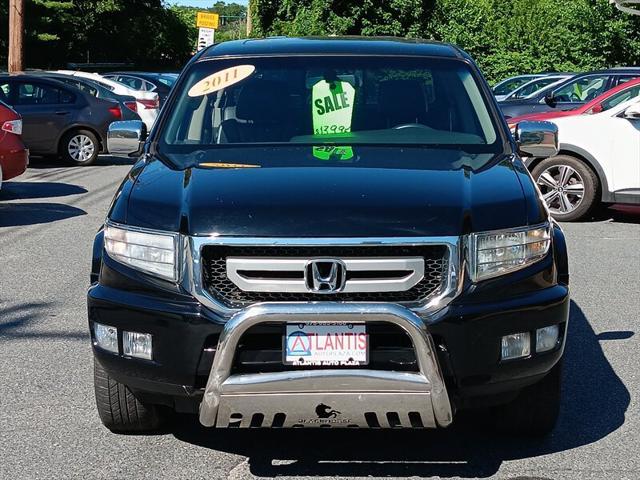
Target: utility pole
(249,20)
(16,34)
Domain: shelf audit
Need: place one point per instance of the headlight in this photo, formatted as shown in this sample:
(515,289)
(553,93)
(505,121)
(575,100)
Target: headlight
(152,253)
(492,254)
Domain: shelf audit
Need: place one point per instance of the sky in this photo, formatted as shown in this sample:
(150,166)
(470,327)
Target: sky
(202,3)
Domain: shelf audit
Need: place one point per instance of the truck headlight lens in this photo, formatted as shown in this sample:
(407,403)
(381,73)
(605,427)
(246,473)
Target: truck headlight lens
(492,254)
(153,253)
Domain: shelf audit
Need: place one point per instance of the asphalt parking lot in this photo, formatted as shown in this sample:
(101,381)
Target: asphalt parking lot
(49,427)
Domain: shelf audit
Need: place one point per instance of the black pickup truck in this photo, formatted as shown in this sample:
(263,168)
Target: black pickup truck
(329,233)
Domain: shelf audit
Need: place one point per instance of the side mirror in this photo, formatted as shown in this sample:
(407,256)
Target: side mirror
(597,108)
(125,138)
(632,112)
(537,139)
(550,100)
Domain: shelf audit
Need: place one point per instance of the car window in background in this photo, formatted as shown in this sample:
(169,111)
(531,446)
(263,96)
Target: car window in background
(79,85)
(168,80)
(626,78)
(620,97)
(131,82)
(331,100)
(4,92)
(66,96)
(583,89)
(40,94)
(510,85)
(148,86)
(532,87)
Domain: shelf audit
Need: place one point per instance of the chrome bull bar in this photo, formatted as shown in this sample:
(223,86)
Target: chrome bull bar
(326,398)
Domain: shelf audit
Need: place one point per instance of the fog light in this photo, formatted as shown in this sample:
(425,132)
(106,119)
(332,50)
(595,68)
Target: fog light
(547,338)
(106,337)
(136,344)
(516,346)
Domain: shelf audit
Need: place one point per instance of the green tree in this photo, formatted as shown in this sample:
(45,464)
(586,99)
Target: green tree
(505,37)
(143,32)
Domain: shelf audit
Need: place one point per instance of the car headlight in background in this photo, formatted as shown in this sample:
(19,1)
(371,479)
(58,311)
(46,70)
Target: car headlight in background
(491,254)
(153,253)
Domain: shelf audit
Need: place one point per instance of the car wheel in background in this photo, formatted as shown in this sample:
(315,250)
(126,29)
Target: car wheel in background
(79,147)
(568,186)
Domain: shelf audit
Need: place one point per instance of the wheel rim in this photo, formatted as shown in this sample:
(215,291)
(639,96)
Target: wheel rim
(81,148)
(562,188)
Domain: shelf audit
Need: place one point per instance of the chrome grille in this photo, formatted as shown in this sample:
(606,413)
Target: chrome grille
(218,285)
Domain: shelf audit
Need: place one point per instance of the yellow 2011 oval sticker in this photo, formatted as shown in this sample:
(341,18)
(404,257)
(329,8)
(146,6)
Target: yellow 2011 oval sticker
(222,79)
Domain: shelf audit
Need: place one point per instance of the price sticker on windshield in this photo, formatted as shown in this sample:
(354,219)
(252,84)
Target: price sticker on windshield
(332,105)
(222,79)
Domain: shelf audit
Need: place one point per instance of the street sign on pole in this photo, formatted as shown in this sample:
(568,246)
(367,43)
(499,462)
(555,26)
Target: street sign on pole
(206,37)
(207,20)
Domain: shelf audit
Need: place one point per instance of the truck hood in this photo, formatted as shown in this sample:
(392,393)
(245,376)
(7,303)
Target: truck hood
(297,192)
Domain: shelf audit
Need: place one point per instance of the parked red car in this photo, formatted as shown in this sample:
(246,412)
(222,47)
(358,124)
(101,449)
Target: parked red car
(14,156)
(607,100)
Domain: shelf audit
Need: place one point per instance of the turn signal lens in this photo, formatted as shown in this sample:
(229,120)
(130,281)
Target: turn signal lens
(517,345)
(150,104)
(137,345)
(13,126)
(106,337)
(492,254)
(153,253)
(131,105)
(547,338)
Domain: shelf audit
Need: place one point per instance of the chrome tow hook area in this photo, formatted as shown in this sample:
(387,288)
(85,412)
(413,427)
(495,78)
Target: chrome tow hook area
(326,398)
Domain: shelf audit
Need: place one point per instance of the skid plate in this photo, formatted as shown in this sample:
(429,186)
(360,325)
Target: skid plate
(324,410)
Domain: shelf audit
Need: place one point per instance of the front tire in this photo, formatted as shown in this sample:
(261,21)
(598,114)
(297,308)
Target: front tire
(119,409)
(79,147)
(568,186)
(534,412)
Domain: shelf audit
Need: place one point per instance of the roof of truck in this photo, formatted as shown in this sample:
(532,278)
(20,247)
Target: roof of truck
(332,46)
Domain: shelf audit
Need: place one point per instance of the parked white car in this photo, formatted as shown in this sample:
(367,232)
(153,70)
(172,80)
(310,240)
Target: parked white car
(598,162)
(148,103)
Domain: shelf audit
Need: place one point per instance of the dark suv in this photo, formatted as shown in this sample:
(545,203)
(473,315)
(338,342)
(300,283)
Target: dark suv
(329,232)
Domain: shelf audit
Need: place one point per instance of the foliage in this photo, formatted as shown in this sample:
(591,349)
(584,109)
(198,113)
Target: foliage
(505,37)
(526,36)
(143,32)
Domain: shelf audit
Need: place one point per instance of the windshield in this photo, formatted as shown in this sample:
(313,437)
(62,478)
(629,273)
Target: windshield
(583,89)
(507,86)
(620,97)
(531,88)
(329,100)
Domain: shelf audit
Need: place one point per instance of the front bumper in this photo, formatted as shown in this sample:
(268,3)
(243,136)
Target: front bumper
(362,398)
(464,339)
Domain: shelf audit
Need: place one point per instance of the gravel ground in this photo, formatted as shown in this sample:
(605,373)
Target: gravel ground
(49,427)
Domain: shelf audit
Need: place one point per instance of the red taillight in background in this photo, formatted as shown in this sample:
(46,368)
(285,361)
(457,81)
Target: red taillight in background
(133,106)
(115,111)
(13,126)
(150,104)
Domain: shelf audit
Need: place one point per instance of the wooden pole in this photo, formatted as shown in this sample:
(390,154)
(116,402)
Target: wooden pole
(16,33)
(249,20)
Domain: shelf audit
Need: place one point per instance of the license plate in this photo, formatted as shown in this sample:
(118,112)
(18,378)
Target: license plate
(335,344)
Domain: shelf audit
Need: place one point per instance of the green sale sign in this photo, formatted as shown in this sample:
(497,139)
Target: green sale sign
(332,105)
